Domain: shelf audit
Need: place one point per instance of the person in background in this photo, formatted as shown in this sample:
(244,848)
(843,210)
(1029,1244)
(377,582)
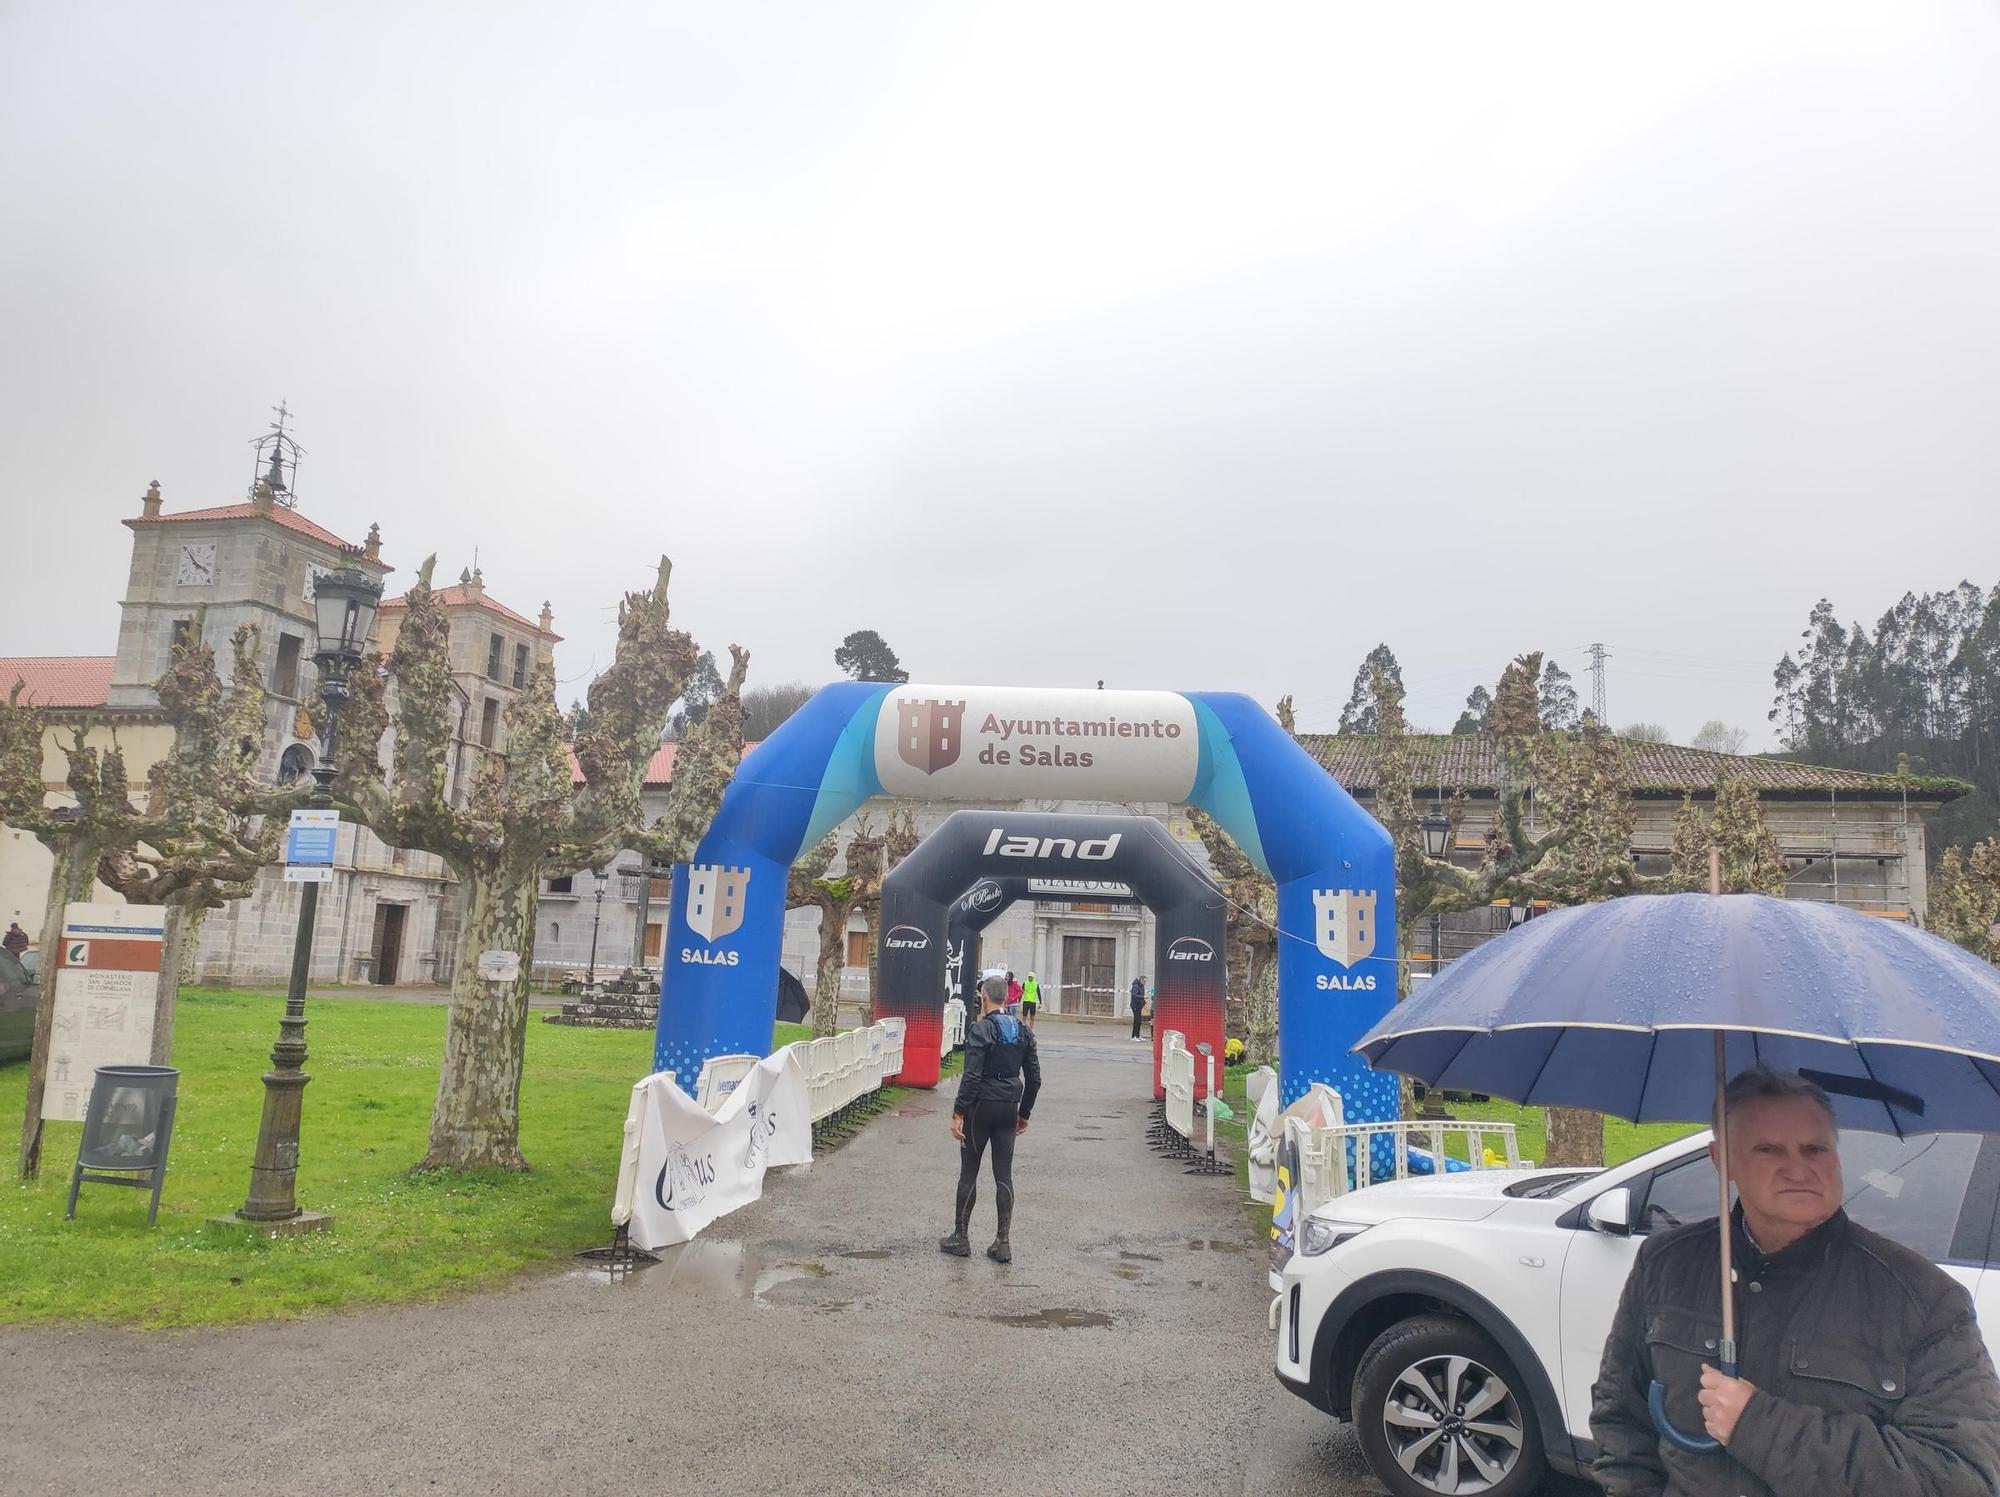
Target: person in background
(12,973)
(1013,993)
(1003,1076)
(1138,1003)
(1862,1369)
(1031,999)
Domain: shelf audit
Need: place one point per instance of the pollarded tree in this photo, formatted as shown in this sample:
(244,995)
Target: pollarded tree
(196,843)
(1581,781)
(838,898)
(899,840)
(1687,870)
(1965,898)
(528,815)
(1751,862)
(212,826)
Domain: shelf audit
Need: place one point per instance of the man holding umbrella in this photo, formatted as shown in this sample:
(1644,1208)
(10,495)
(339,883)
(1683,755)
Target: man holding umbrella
(1862,1369)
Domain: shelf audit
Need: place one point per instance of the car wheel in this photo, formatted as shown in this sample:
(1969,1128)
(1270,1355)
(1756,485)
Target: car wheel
(1441,1411)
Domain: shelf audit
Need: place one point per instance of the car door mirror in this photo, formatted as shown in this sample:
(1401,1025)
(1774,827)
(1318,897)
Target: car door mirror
(1611,1213)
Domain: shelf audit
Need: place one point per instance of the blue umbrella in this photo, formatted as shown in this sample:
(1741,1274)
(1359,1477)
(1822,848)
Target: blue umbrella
(1643,1007)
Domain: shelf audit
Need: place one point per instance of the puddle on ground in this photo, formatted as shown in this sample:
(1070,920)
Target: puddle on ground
(1062,1320)
(1141,1257)
(730,1270)
(1131,1273)
(915,1112)
(1213,1245)
(870,1253)
(830,1306)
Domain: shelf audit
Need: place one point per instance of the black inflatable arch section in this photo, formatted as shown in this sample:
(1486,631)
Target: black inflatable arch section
(982,904)
(1188,912)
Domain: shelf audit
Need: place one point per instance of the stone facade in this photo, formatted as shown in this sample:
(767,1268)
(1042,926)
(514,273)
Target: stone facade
(389,915)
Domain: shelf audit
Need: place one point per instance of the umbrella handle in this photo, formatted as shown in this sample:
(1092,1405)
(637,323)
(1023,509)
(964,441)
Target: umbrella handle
(1656,1404)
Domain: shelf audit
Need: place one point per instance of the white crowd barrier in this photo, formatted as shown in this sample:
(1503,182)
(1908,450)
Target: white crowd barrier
(1177,1076)
(721,1075)
(1334,1160)
(953,1034)
(851,1067)
(1173,1125)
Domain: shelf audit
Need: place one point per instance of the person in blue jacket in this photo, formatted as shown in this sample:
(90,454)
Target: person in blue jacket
(1003,1076)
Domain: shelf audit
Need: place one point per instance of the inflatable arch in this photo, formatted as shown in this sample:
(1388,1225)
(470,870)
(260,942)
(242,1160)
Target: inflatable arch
(1188,912)
(1332,862)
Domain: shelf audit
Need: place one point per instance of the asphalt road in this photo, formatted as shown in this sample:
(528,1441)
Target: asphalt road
(814,1342)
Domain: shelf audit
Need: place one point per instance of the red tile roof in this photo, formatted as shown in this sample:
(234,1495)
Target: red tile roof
(290,519)
(459,596)
(1471,762)
(59,680)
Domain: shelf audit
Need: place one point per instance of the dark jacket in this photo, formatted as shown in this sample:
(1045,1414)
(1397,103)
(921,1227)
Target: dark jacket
(1871,1374)
(1000,1064)
(1138,995)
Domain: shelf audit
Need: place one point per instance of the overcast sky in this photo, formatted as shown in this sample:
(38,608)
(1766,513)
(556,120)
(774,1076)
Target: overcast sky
(1194,346)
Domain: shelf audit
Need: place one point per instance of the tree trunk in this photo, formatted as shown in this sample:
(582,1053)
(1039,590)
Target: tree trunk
(1261,1048)
(477,1120)
(70,881)
(177,946)
(832,958)
(1575,1137)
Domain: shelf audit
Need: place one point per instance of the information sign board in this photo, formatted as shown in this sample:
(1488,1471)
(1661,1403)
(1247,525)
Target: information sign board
(107,989)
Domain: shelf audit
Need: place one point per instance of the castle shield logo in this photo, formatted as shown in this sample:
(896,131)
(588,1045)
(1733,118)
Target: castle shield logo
(930,733)
(1344,924)
(715,899)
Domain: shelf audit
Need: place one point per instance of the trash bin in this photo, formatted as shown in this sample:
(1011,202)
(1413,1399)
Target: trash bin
(127,1127)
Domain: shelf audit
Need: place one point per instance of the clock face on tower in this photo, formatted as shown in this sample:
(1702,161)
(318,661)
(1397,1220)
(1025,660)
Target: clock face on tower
(197,564)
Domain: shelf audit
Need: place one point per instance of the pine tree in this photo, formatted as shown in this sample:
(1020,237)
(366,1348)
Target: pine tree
(1478,703)
(1558,701)
(1359,715)
(1965,899)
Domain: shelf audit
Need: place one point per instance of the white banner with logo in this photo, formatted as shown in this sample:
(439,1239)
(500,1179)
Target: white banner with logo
(694,1167)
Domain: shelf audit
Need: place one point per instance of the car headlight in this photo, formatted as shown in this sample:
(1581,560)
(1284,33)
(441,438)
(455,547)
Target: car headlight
(1321,1236)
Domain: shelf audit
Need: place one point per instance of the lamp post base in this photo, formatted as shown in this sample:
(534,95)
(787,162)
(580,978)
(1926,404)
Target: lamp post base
(290,1226)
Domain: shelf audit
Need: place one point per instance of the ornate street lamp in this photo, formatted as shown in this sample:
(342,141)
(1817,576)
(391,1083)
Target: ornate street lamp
(344,605)
(1437,844)
(1437,834)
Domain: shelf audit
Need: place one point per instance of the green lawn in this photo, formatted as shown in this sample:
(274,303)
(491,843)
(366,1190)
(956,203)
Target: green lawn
(374,1069)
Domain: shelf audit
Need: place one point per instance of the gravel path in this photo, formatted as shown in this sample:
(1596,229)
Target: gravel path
(816,1342)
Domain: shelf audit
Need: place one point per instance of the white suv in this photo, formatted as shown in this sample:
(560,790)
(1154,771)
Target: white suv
(1458,1322)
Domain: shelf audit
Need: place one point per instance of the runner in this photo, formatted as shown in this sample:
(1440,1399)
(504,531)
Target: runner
(1002,1077)
(1031,999)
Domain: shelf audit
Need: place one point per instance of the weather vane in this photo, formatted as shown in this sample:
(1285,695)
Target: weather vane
(277,455)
